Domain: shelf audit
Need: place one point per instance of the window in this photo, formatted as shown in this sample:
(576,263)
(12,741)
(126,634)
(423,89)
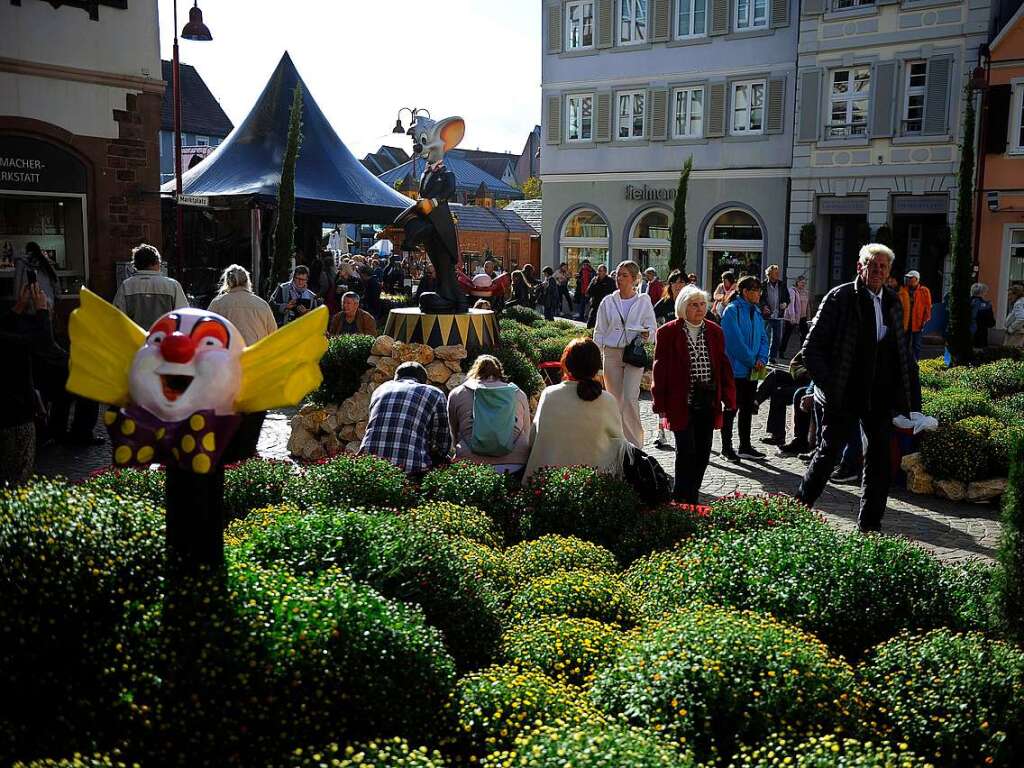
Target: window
(1016,137)
(842,5)
(913,97)
(848,103)
(579,31)
(1015,254)
(733,241)
(751,14)
(202,141)
(689,113)
(630,115)
(581,118)
(691,18)
(748,107)
(585,236)
(633,22)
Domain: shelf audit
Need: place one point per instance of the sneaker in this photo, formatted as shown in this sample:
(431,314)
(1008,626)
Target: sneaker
(749,452)
(664,445)
(730,456)
(806,456)
(772,440)
(845,476)
(792,448)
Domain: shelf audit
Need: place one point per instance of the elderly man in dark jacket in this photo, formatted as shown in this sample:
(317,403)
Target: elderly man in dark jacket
(857,356)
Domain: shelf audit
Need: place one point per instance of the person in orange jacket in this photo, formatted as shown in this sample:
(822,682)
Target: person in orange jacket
(917,310)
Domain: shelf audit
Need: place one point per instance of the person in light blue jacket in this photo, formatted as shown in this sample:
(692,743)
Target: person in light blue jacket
(747,346)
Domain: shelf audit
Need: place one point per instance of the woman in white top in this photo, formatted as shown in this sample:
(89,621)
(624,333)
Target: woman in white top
(621,317)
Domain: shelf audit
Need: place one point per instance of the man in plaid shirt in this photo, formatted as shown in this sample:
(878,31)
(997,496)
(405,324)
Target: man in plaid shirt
(408,423)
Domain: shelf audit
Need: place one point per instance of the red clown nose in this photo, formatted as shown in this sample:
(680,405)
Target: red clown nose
(177,348)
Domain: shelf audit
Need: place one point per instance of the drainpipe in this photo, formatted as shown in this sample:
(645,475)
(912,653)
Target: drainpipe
(979,82)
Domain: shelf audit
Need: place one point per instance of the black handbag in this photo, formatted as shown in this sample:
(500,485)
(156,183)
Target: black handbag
(634,353)
(646,476)
(703,396)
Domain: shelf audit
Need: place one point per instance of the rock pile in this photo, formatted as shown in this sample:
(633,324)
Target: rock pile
(319,431)
(919,481)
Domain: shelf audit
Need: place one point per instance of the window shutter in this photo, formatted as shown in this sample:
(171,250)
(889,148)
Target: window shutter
(603,116)
(936,95)
(657,113)
(810,101)
(812,7)
(605,22)
(776,105)
(714,116)
(997,122)
(555,28)
(883,89)
(780,13)
(660,27)
(554,119)
(719,17)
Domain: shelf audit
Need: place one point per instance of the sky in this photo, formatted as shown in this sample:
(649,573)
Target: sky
(364,59)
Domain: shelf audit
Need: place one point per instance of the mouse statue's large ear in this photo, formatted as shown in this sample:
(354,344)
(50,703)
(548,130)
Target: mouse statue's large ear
(451,130)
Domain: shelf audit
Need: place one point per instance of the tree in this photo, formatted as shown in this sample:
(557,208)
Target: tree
(1009,575)
(531,188)
(958,337)
(284,222)
(677,251)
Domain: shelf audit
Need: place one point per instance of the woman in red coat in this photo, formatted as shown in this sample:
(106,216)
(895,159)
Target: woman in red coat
(692,382)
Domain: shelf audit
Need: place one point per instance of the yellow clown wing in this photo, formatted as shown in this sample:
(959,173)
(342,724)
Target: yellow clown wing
(284,367)
(103,344)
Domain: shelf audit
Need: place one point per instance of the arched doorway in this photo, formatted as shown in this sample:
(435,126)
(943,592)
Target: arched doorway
(649,240)
(584,236)
(733,240)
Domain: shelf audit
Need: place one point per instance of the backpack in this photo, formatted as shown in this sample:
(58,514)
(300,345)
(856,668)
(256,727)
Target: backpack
(494,420)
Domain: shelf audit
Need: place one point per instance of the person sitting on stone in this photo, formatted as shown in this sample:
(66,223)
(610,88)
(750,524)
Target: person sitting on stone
(352,319)
(490,418)
(408,423)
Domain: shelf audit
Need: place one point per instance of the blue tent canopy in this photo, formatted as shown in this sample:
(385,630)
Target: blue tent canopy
(329,181)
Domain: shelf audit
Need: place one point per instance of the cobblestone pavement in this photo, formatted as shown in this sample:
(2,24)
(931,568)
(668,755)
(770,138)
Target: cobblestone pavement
(953,531)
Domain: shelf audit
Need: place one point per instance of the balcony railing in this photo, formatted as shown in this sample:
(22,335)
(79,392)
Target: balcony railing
(845,130)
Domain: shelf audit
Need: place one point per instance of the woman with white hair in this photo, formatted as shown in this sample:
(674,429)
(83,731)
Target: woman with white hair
(693,383)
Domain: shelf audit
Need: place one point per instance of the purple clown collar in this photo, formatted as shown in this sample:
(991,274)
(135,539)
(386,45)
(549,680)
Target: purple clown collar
(195,444)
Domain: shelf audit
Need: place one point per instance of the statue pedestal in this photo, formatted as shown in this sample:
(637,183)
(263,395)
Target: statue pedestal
(476,329)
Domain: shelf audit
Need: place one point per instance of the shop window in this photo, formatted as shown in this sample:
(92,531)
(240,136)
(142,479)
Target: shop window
(649,241)
(734,241)
(584,236)
(56,223)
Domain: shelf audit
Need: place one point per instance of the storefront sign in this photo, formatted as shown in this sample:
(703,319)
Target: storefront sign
(33,165)
(920,204)
(197,200)
(649,193)
(843,206)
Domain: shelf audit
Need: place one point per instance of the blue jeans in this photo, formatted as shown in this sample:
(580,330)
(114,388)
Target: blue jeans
(775,332)
(914,339)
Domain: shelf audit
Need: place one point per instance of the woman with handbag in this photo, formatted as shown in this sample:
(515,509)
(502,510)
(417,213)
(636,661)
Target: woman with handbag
(625,320)
(693,384)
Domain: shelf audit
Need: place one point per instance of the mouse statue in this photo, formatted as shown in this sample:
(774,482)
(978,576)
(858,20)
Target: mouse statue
(428,221)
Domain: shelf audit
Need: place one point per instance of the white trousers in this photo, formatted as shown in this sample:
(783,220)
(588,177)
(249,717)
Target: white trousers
(623,383)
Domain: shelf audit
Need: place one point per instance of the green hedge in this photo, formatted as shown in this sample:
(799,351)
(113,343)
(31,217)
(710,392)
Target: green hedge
(350,480)
(713,678)
(959,697)
(342,365)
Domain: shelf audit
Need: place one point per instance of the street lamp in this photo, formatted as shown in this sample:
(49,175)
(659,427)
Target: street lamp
(194,30)
(414,112)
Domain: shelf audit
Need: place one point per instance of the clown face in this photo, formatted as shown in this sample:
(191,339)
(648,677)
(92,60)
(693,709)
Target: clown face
(190,362)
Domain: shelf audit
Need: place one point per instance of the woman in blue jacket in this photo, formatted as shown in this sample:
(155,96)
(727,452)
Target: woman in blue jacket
(746,345)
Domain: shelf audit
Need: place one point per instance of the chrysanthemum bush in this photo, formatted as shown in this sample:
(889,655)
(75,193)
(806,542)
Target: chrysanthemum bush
(254,483)
(493,707)
(474,485)
(379,753)
(97,760)
(955,697)
(455,520)
(852,591)
(396,557)
(129,483)
(552,553)
(566,649)
(827,751)
(69,559)
(591,746)
(970,449)
(240,529)
(579,501)
(578,594)
(350,480)
(237,669)
(713,678)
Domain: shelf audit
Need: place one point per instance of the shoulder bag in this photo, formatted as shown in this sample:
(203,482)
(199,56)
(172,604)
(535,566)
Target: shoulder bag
(634,352)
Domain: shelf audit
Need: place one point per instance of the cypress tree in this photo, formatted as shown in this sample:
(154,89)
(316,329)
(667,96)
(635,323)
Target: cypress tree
(1009,575)
(284,223)
(677,251)
(959,306)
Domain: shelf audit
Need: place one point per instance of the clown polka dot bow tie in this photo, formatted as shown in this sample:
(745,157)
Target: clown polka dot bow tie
(194,445)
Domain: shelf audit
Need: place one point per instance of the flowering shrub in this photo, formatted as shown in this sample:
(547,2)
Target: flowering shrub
(998,379)
(385,753)
(551,553)
(932,373)
(455,520)
(959,697)
(713,678)
(1010,410)
(970,588)
(592,746)
(496,705)
(70,556)
(750,513)
(579,501)
(659,528)
(80,761)
(254,483)
(145,484)
(350,480)
(962,450)
(827,751)
(516,335)
(524,316)
(951,405)
(568,650)
(284,660)
(342,365)
(399,559)
(579,594)
(852,591)
(238,531)
(474,485)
